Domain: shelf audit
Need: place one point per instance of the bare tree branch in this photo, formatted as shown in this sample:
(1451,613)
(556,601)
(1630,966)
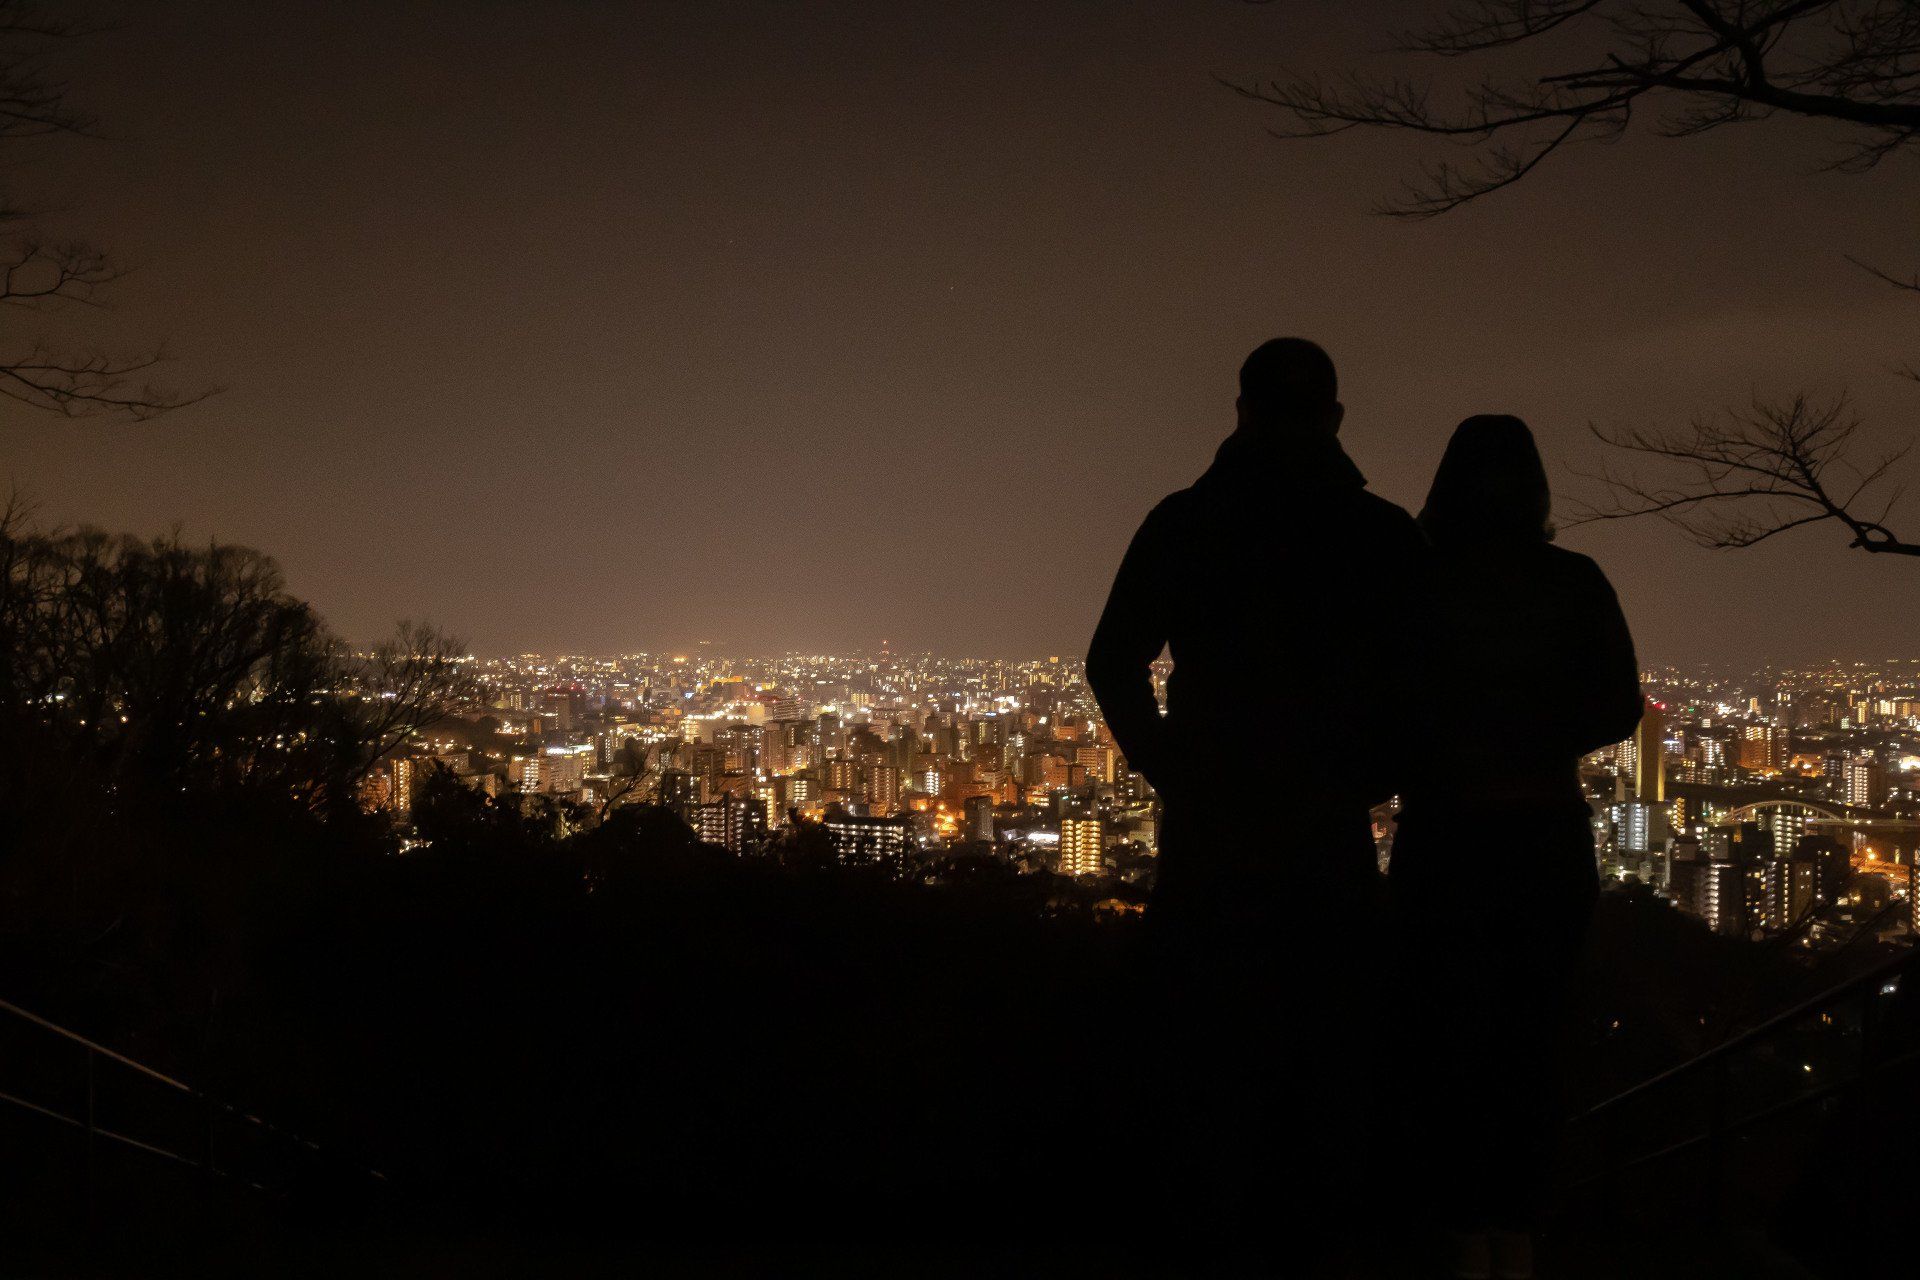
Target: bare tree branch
(1702,64)
(41,274)
(1752,475)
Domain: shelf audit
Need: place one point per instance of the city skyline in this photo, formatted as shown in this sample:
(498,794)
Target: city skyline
(1780,801)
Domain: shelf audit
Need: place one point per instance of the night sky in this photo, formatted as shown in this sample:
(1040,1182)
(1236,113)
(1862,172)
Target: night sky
(600,328)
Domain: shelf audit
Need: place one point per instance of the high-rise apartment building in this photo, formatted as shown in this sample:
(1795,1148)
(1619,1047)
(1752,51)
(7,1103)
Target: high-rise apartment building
(1866,782)
(1763,748)
(1082,844)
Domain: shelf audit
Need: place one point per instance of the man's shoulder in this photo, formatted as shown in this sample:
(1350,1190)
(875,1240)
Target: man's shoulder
(1179,505)
(1388,520)
(1383,510)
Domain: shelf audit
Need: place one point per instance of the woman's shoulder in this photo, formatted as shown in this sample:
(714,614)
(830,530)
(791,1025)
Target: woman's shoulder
(1577,575)
(1571,563)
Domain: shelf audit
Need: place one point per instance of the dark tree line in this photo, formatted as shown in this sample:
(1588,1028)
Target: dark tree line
(1570,71)
(151,668)
(184,743)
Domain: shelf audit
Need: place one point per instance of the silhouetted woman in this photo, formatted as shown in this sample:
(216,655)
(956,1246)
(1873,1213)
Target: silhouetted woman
(1493,874)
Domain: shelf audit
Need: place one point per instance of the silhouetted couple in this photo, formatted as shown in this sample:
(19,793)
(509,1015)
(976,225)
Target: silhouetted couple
(1329,652)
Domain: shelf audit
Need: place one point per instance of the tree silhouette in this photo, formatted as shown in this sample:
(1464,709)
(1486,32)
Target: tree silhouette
(42,273)
(149,670)
(1692,65)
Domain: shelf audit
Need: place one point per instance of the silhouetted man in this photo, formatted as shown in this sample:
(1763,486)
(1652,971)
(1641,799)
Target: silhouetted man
(1269,580)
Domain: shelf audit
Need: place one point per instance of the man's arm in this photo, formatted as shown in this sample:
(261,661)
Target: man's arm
(1131,634)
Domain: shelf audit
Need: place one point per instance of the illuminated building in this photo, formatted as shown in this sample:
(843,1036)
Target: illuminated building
(1789,891)
(1706,880)
(406,771)
(523,773)
(680,792)
(735,823)
(883,789)
(1832,866)
(1650,755)
(1641,828)
(1763,748)
(564,769)
(1096,760)
(1866,782)
(376,791)
(791,709)
(1082,842)
(860,841)
(841,775)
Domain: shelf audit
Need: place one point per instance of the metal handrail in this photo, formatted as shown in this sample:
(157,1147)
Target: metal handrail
(215,1107)
(96,1047)
(1813,1004)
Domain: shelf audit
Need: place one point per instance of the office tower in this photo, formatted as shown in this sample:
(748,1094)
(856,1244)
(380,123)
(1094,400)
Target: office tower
(1650,755)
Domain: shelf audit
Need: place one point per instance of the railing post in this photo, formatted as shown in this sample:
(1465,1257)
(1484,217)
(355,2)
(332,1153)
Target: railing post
(88,1173)
(1869,1009)
(1610,1165)
(1716,1123)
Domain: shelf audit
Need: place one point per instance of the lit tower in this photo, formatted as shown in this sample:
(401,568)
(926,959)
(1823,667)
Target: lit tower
(1650,755)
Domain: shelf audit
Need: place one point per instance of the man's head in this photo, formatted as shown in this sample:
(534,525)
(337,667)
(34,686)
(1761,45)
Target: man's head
(1289,384)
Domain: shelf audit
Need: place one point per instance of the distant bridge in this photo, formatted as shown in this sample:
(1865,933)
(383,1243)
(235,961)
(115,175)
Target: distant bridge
(1747,804)
(1817,816)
